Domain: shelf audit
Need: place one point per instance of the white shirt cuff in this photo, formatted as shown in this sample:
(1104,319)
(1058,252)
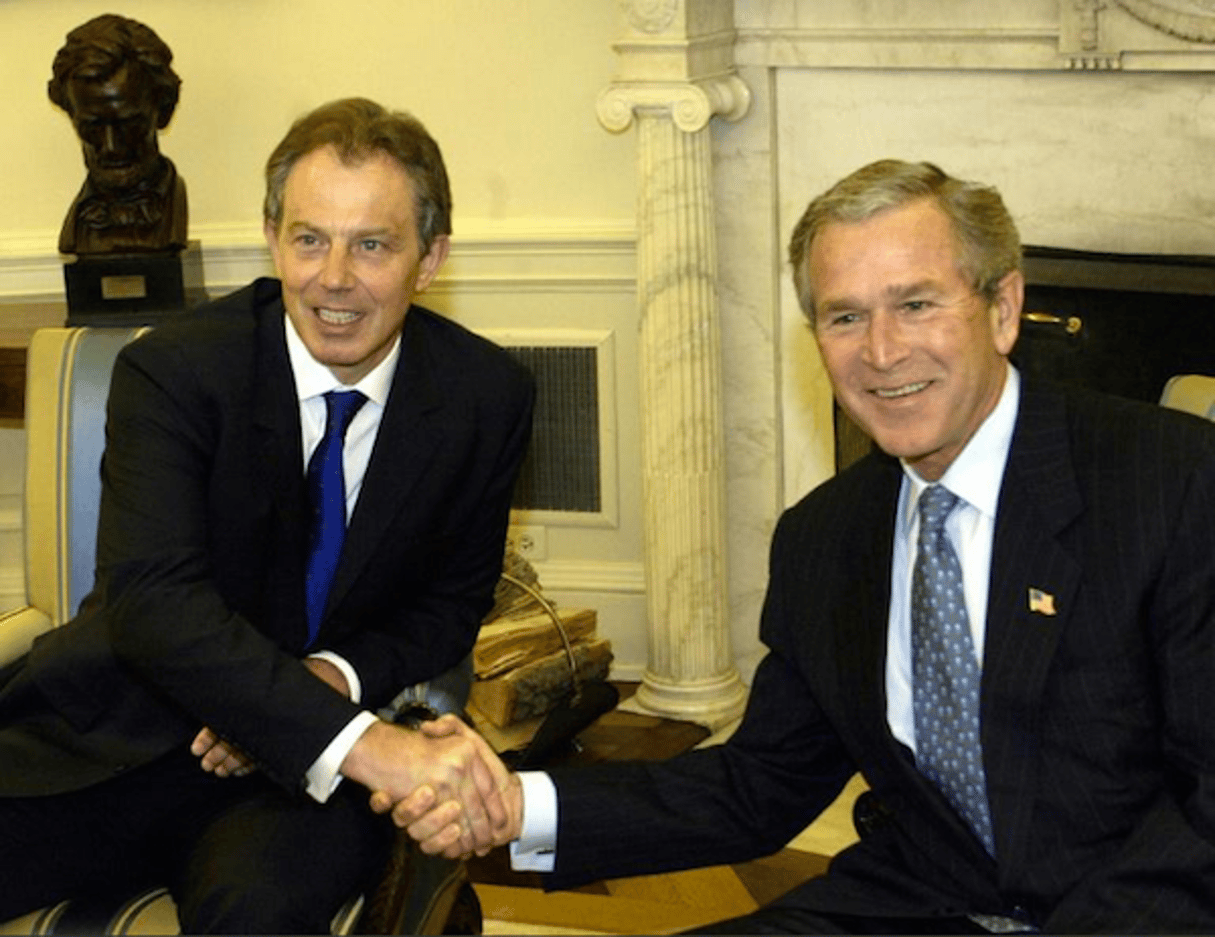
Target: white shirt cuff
(536,848)
(352,678)
(323,777)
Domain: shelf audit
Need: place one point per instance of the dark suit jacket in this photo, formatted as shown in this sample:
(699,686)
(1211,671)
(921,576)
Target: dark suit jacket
(1099,738)
(197,616)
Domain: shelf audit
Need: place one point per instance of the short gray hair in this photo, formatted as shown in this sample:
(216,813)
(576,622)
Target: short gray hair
(989,247)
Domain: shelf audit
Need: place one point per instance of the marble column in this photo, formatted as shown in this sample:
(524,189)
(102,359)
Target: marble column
(690,671)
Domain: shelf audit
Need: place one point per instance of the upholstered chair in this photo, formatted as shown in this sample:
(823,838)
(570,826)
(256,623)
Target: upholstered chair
(68,379)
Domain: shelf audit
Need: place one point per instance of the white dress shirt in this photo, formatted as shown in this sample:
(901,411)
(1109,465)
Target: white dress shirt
(975,476)
(312,381)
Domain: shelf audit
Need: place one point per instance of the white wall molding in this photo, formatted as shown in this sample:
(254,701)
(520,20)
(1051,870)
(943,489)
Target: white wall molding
(596,257)
(898,47)
(590,576)
(617,591)
(1173,18)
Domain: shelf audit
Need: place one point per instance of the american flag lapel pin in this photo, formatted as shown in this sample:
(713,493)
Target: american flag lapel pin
(1041,602)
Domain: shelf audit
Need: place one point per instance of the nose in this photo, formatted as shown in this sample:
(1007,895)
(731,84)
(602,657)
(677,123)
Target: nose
(884,345)
(335,273)
(109,140)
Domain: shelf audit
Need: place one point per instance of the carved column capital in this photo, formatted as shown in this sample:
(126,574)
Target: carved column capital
(691,104)
(676,59)
(652,16)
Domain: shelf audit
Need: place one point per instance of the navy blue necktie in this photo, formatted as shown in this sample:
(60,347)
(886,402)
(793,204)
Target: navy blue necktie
(327,499)
(945,671)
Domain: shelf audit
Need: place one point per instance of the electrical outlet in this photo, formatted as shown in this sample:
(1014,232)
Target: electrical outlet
(529,541)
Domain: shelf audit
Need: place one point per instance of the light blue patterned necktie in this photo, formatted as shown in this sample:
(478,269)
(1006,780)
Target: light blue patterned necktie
(945,671)
(327,499)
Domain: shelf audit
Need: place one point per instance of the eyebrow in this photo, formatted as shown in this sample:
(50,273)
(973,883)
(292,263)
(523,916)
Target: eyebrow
(893,293)
(919,287)
(382,233)
(836,305)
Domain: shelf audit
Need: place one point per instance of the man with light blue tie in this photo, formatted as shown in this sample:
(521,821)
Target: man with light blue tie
(306,488)
(1004,620)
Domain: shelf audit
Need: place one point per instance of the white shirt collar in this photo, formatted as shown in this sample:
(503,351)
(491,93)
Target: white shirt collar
(313,379)
(977,472)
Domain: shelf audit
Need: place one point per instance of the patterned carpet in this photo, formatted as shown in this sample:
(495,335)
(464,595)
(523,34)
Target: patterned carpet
(514,903)
(655,904)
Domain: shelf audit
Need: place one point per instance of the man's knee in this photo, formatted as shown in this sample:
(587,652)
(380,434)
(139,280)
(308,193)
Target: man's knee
(248,908)
(271,865)
(54,849)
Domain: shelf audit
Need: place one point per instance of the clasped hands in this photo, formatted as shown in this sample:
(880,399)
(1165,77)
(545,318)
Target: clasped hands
(459,798)
(441,782)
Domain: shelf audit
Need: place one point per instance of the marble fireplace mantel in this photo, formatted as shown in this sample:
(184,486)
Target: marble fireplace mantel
(1143,35)
(1094,117)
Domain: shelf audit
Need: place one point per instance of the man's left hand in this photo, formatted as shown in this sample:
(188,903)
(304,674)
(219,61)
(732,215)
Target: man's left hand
(226,760)
(220,757)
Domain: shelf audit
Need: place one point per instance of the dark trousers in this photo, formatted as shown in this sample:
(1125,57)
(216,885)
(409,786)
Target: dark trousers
(239,855)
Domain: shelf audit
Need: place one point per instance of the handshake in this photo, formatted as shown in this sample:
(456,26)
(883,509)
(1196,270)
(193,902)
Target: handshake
(442,783)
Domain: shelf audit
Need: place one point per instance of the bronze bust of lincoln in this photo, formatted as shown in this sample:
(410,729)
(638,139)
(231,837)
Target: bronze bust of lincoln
(114,79)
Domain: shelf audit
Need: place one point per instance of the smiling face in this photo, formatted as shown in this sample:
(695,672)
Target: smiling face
(348,254)
(915,355)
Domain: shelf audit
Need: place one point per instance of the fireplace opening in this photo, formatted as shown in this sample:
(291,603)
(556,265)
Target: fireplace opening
(1119,323)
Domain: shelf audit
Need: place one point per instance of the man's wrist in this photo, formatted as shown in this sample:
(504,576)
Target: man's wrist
(354,687)
(325,774)
(535,849)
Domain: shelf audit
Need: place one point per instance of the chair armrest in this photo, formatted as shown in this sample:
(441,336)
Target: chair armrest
(1193,393)
(18,629)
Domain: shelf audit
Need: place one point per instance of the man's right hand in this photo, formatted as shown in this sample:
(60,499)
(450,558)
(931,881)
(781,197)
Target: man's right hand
(435,822)
(457,766)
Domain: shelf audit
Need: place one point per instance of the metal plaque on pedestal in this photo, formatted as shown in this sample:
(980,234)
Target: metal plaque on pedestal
(132,289)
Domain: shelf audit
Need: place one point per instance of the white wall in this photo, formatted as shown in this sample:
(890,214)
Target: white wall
(508,88)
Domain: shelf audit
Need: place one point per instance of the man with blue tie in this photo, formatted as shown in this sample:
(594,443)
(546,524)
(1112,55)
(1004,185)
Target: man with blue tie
(306,488)
(1004,620)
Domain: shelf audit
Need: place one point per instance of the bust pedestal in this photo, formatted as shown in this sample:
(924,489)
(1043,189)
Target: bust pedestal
(132,289)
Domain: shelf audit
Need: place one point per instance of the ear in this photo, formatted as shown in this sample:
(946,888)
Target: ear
(428,266)
(1006,311)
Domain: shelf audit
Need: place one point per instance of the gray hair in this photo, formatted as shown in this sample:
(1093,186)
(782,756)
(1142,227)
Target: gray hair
(989,247)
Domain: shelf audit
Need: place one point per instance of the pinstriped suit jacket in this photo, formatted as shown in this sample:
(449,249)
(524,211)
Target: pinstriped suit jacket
(1099,739)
